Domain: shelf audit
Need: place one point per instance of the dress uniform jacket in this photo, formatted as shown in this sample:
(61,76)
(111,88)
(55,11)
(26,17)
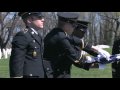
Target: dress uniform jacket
(60,52)
(26,57)
(116,65)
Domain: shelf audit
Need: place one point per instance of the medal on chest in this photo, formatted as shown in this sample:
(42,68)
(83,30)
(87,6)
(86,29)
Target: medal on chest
(34,53)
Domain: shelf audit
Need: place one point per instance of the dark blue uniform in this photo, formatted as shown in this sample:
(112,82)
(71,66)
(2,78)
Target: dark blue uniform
(59,52)
(79,46)
(26,57)
(116,65)
(62,50)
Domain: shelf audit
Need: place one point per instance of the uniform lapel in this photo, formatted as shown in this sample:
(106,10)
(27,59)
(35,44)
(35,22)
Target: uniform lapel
(42,43)
(35,36)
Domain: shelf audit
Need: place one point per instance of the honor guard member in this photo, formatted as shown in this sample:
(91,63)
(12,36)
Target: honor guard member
(27,48)
(80,45)
(58,52)
(116,65)
(78,37)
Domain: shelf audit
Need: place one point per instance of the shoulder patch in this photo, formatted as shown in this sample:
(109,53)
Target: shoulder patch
(25,30)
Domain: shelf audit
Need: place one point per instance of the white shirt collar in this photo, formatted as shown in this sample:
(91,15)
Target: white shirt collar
(34,31)
(66,34)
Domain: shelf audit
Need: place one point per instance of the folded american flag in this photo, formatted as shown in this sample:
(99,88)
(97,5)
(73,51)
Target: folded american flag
(103,60)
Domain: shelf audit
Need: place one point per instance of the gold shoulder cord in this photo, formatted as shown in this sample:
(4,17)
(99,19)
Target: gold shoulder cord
(81,48)
(82,44)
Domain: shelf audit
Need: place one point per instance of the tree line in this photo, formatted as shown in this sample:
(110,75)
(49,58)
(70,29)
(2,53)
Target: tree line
(103,28)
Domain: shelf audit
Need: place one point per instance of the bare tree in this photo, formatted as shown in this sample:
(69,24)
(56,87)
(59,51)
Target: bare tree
(50,21)
(111,25)
(8,21)
(103,29)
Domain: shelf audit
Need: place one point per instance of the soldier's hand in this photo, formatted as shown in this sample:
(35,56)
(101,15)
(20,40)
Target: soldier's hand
(89,59)
(94,65)
(77,61)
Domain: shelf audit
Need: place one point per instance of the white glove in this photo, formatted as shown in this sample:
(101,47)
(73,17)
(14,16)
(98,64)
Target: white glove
(89,59)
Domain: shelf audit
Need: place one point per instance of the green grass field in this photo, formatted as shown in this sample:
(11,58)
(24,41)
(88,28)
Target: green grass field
(76,72)
(92,73)
(4,68)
